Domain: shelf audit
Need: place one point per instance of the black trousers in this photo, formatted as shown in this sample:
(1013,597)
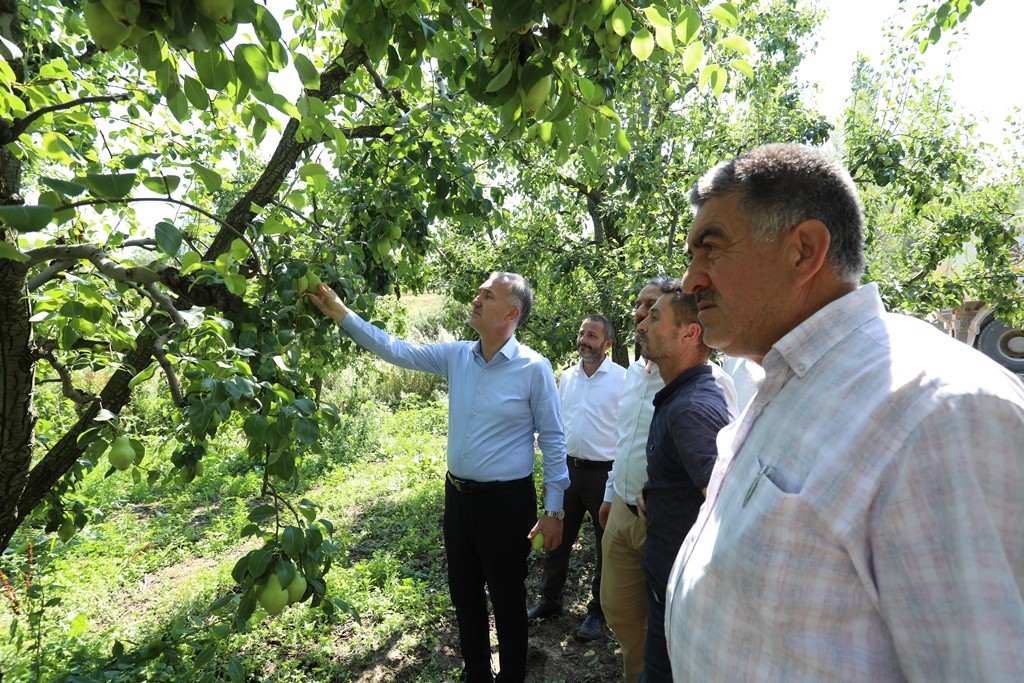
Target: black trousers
(485,541)
(585,494)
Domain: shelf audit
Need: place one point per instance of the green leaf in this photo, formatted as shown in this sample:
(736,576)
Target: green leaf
(593,162)
(178,104)
(262,513)
(162,184)
(204,657)
(743,66)
(501,78)
(252,66)
(292,541)
(693,56)
(688,26)
(149,52)
(210,178)
(9,251)
(622,145)
(133,161)
(239,249)
(726,14)
(212,68)
(266,23)
(190,259)
(621,21)
(307,430)
(58,147)
(564,106)
(309,76)
(663,36)
(658,16)
(714,76)
(68,188)
(142,376)
(168,238)
(236,670)
(737,43)
(235,283)
(195,93)
(110,186)
(642,45)
(26,217)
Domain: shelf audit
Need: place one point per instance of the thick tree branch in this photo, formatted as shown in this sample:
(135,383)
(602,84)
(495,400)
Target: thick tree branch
(67,384)
(395,94)
(237,232)
(21,125)
(160,343)
(95,255)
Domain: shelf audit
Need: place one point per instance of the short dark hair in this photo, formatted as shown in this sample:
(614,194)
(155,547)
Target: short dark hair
(684,308)
(521,291)
(605,323)
(780,185)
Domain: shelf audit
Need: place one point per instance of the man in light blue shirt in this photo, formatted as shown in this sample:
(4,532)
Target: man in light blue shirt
(500,394)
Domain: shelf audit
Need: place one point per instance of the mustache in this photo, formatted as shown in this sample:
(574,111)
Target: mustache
(705,294)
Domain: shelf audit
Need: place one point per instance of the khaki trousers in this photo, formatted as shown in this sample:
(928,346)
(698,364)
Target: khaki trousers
(623,586)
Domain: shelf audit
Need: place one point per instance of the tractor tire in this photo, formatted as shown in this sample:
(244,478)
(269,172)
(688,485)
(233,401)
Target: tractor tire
(1004,345)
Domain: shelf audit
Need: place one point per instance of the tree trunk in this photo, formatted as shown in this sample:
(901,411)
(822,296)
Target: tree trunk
(17,376)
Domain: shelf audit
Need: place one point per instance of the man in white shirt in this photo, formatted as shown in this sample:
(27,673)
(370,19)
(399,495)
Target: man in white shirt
(623,583)
(862,521)
(589,394)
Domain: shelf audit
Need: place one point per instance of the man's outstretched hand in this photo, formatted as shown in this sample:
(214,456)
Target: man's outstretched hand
(328,302)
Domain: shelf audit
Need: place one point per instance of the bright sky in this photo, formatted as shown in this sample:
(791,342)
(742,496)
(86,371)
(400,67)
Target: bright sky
(986,70)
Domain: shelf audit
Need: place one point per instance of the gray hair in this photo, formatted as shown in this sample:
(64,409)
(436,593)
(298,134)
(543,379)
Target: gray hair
(521,292)
(781,185)
(658,281)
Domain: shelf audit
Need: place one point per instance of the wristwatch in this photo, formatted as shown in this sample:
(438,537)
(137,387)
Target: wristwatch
(557,515)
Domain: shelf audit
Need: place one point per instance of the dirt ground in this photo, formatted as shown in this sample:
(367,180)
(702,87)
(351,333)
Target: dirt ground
(555,655)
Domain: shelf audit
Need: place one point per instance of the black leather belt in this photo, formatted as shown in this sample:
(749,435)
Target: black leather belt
(469,486)
(582,464)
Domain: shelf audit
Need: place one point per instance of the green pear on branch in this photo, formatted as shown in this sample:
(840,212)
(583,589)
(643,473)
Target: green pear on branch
(217,10)
(121,454)
(106,31)
(272,596)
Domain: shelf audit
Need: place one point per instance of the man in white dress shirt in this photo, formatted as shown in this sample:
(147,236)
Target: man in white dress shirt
(589,394)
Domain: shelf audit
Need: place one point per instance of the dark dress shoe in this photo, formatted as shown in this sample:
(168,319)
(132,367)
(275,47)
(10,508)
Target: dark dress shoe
(543,610)
(592,628)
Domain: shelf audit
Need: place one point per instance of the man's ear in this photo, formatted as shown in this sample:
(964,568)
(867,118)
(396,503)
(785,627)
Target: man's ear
(807,246)
(691,330)
(513,313)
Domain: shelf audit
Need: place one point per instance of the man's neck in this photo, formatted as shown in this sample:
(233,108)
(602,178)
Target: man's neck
(673,367)
(590,368)
(491,344)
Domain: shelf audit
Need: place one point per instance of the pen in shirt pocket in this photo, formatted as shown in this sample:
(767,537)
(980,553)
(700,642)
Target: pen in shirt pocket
(765,469)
